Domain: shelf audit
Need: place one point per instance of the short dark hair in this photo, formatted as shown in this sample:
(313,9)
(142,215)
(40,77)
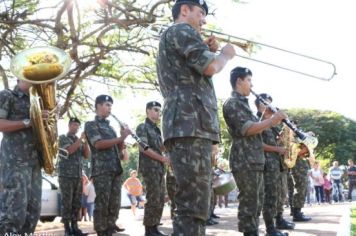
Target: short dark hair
(176,9)
(238,73)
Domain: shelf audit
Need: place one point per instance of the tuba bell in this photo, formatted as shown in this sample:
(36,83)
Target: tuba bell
(42,66)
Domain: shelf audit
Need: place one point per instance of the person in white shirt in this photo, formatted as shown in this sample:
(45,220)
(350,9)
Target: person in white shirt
(89,191)
(318,181)
(335,173)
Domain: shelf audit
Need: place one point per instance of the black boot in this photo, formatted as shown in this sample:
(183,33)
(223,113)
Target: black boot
(151,231)
(67,229)
(281,223)
(251,233)
(298,216)
(158,233)
(76,230)
(271,229)
(117,229)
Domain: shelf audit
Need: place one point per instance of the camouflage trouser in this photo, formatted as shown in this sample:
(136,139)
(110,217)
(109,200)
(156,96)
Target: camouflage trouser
(271,182)
(155,189)
(251,188)
(20,199)
(171,191)
(282,191)
(71,194)
(212,202)
(107,201)
(290,185)
(191,162)
(300,180)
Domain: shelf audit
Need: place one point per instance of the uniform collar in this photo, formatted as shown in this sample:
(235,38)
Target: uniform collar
(150,122)
(19,92)
(102,119)
(239,96)
(71,135)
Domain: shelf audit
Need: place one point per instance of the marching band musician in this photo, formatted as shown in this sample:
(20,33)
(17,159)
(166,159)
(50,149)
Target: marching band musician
(299,172)
(70,176)
(107,150)
(272,170)
(20,168)
(151,166)
(247,159)
(185,64)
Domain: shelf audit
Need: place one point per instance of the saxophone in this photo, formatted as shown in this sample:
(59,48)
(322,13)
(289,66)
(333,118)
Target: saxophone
(42,66)
(287,140)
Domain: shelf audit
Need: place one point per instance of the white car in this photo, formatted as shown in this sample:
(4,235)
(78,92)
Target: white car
(51,200)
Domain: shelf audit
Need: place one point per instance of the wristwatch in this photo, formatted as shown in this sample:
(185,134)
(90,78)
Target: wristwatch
(26,122)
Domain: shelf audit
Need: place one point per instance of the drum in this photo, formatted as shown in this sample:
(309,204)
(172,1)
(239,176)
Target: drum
(224,183)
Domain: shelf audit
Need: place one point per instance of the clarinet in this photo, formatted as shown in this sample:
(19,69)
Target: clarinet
(137,139)
(301,135)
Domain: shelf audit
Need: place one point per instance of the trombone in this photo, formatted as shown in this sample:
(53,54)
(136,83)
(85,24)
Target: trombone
(249,45)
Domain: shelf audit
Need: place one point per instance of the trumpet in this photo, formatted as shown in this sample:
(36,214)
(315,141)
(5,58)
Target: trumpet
(142,144)
(248,46)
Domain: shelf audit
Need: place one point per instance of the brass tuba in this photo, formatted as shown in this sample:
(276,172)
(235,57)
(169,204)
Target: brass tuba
(42,66)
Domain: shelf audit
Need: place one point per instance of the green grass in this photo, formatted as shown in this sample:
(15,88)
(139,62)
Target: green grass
(353,221)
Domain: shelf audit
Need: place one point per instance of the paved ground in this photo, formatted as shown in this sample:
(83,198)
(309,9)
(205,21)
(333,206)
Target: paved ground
(325,222)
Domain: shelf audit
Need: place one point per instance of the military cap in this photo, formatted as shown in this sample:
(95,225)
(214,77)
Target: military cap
(74,119)
(238,72)
(149,105)
(103,98)
(199,3)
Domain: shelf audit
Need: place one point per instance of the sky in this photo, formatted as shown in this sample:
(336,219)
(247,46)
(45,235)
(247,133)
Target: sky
(318,28)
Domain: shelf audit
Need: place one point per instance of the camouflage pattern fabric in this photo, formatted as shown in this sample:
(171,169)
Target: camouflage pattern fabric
(71,195)
(271,179)
(171,186)
(246,160)
(20,198)
(72,165)
(190,120)
(282,191)
(250,184)
(152,172)
(190,107)
(300,180)
(107,201)
(191,162)
(20,171)
(106,160)
(155,190)
(150,134)
(106,173)
(290,185)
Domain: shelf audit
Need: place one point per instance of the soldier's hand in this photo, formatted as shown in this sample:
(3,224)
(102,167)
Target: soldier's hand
(166,161)
(212,43)
(82,136)
(278,117)
(45,114)
(228,50)
(281,150)
(125,132)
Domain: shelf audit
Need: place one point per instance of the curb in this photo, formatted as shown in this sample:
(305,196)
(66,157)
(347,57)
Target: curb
(345,224)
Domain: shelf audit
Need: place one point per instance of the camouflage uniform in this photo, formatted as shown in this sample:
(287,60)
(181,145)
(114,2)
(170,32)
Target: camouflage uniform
(300,180)
(106,173)
(271,179)
(152,172)
(190,122)
(171,186)
(290,185)
(20,170)
(70,179)
(246,161)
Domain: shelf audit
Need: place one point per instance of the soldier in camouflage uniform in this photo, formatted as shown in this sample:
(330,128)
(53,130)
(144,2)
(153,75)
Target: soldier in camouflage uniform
(247,159)
(300,180)
(273,167)
(171,186)
(151,167)
(107,150)
(20,169)
(70,176)
(185,64)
